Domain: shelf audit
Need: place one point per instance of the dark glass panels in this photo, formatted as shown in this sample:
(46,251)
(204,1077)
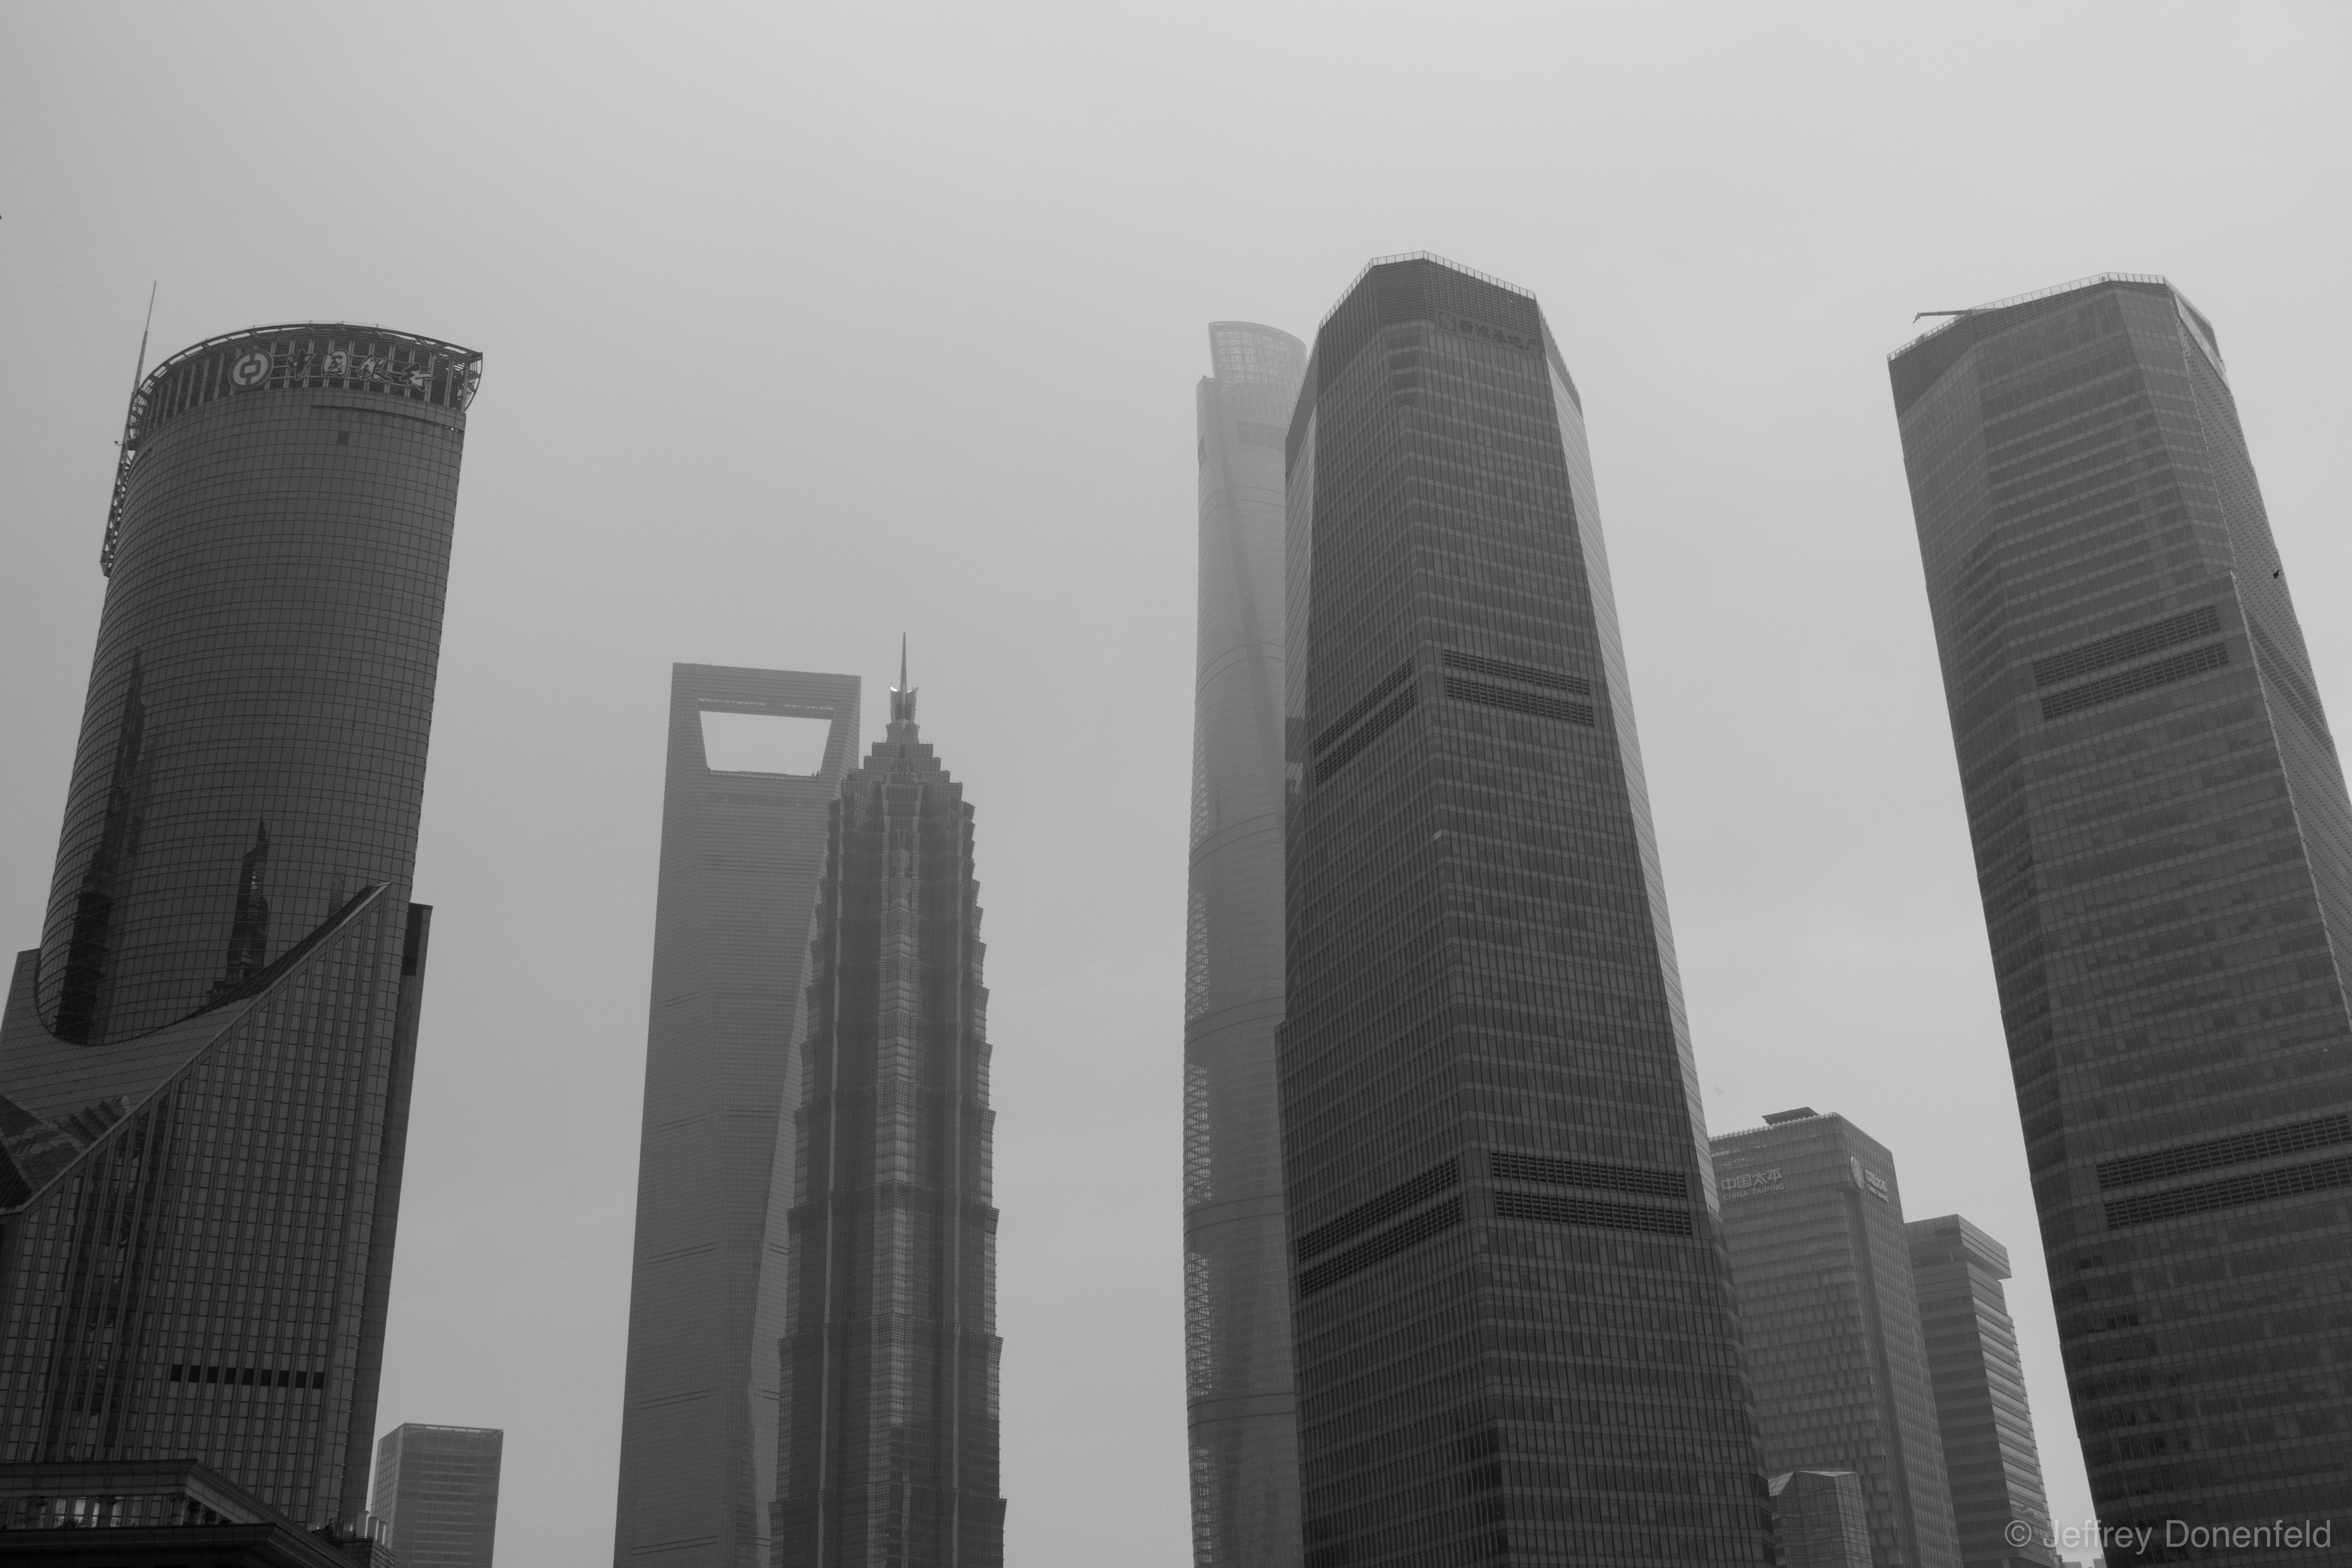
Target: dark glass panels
(2165,853)
(887,1454)
(436,1494)
(740,859)
(1515,1335)
(1990,1460)
(1244,1434)
(204,1070)
(1814,1218)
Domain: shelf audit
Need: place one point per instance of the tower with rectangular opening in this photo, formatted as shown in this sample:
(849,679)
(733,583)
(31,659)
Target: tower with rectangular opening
(741,855)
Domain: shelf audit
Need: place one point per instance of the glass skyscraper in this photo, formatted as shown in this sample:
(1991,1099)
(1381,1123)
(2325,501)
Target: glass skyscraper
(204,1067)
(887,1457)
(1990,1460)
(740,859)
(436,1494)
(1513,1327)
(2165,853)
(1244,1418)
(1814,1217)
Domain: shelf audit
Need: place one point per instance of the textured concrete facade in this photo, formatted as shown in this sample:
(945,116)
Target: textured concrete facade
(1815,1218)
(741,855)
(436,1494)
(1515,1335)
(2163,850)
(1239,1396)
(204,1070)
(888,1452)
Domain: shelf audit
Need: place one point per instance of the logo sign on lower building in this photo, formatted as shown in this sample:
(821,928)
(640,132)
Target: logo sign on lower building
(1753,1181)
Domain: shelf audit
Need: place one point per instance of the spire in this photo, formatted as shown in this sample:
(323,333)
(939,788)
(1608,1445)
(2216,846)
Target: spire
(902,696)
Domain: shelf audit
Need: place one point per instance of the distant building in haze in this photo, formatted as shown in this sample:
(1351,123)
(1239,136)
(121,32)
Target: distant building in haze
(1990,1460)
(1515,1338)
(1834,1348)
(436,1494)
(2164,848)
(204,1067)
(888,1453)
(1244,1414)
(740,858)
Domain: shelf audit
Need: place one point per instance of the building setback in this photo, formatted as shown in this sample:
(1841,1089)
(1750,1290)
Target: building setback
(1515,1335)
(1242,1410)
(436,1494)
(1990,1460)
(1822,1519)
(2165,853)
(740,858)
(888,1452)
(204,1067)
(1824,1272)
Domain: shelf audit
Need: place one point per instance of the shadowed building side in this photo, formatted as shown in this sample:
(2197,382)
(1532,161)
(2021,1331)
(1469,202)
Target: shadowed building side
(2163,850)
(204,1069)
(740,858)
(1239,1397)
(1515,1335)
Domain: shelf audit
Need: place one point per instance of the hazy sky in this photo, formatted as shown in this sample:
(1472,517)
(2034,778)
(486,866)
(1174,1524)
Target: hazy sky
(809,325)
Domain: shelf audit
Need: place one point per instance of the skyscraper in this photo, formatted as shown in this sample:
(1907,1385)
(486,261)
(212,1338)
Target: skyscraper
(1991,1460)
(2165,853)
(1515,1334)
(1824,1272)
(1244,1416)
(1822,1519)
(887,1457)
(436,1494)
(740,859)
(204,1067)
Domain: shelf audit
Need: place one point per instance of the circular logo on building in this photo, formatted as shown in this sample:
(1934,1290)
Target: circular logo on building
(252,367)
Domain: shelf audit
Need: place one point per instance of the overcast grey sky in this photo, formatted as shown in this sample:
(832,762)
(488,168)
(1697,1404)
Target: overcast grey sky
(808,325)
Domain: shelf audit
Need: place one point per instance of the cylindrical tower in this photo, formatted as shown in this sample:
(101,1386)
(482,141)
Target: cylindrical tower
(253,749)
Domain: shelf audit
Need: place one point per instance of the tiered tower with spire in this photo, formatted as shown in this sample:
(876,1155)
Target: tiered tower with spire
(888,1452)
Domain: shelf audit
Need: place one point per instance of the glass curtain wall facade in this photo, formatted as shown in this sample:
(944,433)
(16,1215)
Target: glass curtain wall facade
(740,859)
(2165,853)
(1990,1459)
(1815,1221)
(436,1494)
(1242,1412)
(1823,1523)
(1514,1329)
(888,1451)
(204,1069)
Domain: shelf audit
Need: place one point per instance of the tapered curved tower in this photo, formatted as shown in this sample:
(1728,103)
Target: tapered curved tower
(1515,1337)
(1244,1416)
(204,1067)
(2164,850)
(888,1452)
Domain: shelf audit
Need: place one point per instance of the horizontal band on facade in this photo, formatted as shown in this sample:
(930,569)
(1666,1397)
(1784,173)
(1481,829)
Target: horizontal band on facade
(2131,683)
(1372,1211)
(250,1376)
(2123,646)
(2243,1149)
(2294,1181)
(1446,1215)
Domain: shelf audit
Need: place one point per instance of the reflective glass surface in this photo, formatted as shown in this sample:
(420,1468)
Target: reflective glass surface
(1515,1335)
(2165,853)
